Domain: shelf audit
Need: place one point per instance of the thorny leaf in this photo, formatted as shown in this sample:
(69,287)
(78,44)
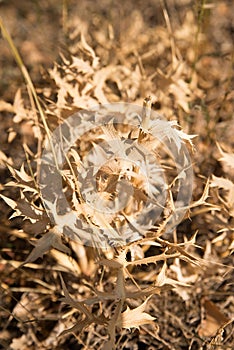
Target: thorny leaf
(168,130)
(134,318)
(81,65)
(24,208)
(9,202)
(20,175)
(89,317)
(51,239)
(25,187)
(74,303)
(177,86)
(228,186)
(162,279)
(77,328)
(153,259)
(88,49)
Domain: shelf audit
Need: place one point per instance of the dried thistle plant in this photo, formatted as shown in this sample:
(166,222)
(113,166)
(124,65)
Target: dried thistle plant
(108,186)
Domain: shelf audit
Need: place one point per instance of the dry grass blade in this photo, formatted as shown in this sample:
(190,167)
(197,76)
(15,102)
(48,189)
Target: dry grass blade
(28,80)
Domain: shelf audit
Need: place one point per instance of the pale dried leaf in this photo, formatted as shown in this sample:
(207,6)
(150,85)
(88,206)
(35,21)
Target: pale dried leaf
(227,185)
(22,343)
(66,261)
(21,112)
(20,175)
(99,80)
(81,65)
(212,319)
(9,201)
(4,159)
(23,186)
(5,106)
(134,318)
(162,279)
(228,158)
(11,136)
(91,52)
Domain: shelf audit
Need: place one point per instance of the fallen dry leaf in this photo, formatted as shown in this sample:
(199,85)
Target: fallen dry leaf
(212,319)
